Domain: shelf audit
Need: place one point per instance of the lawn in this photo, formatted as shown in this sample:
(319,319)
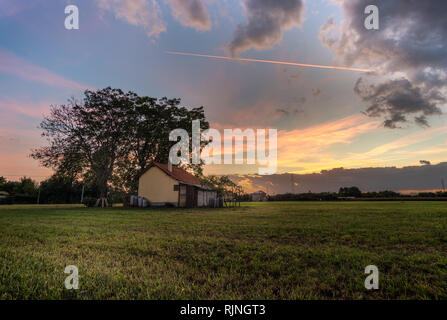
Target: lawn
(282,250)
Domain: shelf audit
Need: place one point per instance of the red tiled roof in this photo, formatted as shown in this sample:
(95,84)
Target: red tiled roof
(178,174)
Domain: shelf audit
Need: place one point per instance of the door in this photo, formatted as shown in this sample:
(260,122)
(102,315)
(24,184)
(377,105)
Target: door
(182,196)
(191,197)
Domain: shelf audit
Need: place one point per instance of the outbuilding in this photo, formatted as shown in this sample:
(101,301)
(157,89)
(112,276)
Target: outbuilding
(259,196)
(164,184)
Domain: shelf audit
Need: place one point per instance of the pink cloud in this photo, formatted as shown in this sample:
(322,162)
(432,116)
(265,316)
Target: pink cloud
(13,7)
(142,13)
(191,13)
(16,66)
(36,110)
(15,147)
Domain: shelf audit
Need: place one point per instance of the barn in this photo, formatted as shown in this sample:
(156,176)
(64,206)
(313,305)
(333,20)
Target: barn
(259,196)
(164,184)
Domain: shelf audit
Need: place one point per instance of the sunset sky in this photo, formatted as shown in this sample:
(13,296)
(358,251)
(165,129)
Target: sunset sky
(325,118)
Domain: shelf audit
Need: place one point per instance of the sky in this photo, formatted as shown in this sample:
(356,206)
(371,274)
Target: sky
(326,118)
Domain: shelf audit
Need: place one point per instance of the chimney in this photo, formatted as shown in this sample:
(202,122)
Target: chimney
(169,165)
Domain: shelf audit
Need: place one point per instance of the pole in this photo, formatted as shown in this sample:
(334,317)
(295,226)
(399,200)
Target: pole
(38,196)
(82,194)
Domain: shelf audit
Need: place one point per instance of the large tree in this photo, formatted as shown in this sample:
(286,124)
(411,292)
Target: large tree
(90,135)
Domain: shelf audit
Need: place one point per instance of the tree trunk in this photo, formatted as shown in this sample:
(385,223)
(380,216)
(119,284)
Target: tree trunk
(102,185)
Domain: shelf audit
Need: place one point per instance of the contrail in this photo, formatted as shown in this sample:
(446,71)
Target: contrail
(270,61)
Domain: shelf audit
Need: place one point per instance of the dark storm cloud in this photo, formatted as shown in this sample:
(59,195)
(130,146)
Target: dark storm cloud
(266,22)
(397,99)
(411,40)
(412,35)
(425,177)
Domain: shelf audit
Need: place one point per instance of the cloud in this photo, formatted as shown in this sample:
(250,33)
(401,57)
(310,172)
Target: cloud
(367,179)
(395,99)
(287,112)
(316,141)
(34,110)
(309,149)
(316,92)
(412,35)
(191,13)
(403,145)
(345,143)
(266,22)
(411,43)
(13,7)
(144,13)
(13,65)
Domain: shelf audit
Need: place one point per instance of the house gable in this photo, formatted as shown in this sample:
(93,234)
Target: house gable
(157,186)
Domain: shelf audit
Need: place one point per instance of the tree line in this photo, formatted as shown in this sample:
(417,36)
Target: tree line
(54,190)
(353,193)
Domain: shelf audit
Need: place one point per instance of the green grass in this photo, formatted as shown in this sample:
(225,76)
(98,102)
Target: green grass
(288,250)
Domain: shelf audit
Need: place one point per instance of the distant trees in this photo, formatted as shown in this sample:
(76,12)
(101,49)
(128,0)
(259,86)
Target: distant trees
(308,196)
(350,192)
(112,136)
(60,189)
(23,191)
(56,189)
(25,186)
(381,194)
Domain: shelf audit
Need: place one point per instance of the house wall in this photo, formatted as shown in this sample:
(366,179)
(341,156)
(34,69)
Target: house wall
(158,187)
(201,198)
(204,197)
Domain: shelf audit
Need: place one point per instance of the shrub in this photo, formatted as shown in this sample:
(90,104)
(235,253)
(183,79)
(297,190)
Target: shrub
(23,199)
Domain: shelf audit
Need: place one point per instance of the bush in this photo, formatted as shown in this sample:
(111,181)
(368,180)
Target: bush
(23,199)
(89,201)
(7,200)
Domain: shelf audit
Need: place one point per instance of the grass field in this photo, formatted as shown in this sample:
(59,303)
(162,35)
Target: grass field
(288,250)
